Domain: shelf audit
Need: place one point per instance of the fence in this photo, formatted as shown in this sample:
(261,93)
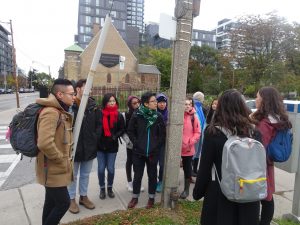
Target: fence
(121,93)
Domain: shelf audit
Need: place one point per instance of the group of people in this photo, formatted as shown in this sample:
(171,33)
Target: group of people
(103,128)
(143,129)
(232,114)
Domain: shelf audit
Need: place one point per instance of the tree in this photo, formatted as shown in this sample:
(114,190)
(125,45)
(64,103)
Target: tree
(258,44)
(292,51)
(161,58)
(203,70)
(43,80)
(32,78)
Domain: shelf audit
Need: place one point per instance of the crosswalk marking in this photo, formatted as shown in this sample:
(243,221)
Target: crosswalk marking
(3,130)
(8,158)
(5,146)
(11,159)
(5,175)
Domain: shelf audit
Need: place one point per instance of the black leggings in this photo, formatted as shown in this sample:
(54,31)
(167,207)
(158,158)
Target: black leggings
(57,202)
(187,166)
(267,212)
(129,165)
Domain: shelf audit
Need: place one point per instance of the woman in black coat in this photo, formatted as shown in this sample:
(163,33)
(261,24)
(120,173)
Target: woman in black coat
(232,114)
(109,129)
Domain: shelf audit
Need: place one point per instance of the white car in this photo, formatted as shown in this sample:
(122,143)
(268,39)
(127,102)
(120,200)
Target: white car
(251,105)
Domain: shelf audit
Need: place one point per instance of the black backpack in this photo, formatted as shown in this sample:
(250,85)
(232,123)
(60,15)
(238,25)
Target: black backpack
(23,130)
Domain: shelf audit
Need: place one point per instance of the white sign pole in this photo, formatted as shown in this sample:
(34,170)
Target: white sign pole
(89,82)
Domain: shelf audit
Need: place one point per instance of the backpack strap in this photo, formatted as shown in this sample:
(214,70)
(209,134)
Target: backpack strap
(124,117)
(213,173)
(224,131)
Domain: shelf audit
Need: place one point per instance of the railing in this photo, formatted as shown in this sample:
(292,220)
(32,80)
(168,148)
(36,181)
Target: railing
(121,93)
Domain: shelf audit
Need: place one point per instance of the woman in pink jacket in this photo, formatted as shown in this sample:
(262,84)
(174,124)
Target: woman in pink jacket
(190,135)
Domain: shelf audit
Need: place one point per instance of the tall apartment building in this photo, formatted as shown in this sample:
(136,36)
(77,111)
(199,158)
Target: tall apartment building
(127,17)
(223,40)
(204,37)
(135,14)
(5,54)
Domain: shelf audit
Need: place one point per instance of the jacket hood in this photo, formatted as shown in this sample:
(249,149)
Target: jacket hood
(274,122)
(193,111)
(161,98)
(129,99)
(51,101)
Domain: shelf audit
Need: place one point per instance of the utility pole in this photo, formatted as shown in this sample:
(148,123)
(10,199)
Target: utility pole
(5,81)
(184,13)
(14,65)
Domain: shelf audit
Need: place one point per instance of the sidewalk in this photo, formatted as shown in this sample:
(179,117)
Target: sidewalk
(24,205)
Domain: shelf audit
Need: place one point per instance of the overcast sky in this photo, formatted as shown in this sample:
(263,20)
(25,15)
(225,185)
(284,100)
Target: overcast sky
(43,29)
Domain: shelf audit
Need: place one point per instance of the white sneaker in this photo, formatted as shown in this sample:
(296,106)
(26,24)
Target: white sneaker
(129,186)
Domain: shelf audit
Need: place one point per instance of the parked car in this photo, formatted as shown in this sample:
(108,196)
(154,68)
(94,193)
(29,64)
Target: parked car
(2,91)
(251,104)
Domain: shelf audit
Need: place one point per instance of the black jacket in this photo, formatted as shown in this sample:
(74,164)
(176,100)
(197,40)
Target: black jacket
(87,141)
(217,209)
(145,141)
(110,144)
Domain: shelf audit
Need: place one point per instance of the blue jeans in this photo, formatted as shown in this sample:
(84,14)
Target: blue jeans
(106,160)
(85,170)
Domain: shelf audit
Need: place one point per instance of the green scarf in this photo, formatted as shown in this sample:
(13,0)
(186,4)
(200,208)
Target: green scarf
(149,114)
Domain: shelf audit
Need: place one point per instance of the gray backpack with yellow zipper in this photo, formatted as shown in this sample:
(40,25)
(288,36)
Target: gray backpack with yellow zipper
(244,169)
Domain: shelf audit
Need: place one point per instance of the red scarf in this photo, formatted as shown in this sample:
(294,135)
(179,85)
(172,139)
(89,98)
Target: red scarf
(112,113)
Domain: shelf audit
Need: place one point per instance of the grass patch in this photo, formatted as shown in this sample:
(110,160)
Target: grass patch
(285,222)
(186,212)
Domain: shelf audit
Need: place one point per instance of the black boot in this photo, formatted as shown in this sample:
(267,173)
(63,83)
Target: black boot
(186,191)
(195,167)
(102,193)
(110,192)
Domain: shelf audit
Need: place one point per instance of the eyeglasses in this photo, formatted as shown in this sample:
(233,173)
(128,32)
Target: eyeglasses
(71,94)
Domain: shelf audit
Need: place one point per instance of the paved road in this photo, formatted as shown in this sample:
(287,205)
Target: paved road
(8,101)
(13,171)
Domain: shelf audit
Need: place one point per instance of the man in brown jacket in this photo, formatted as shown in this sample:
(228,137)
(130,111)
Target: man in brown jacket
(53,162)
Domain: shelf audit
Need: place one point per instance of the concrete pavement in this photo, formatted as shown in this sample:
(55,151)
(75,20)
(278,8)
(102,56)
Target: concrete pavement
(24,205)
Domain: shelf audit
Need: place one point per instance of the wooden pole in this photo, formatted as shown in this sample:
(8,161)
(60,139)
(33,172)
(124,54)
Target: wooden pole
(14,64)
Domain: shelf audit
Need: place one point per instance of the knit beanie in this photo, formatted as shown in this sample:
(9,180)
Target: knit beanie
(130,98)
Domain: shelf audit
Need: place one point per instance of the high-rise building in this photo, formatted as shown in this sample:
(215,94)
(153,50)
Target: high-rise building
(223,40)
(204,37)
(5,54)
(135,14)
(127,15)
